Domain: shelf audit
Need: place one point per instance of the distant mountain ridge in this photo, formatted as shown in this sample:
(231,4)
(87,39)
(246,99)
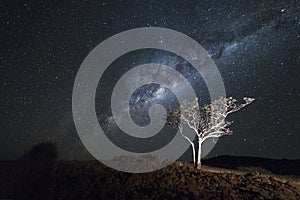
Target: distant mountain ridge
(277,166)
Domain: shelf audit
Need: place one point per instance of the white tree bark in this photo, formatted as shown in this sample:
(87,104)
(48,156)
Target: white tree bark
(199,153)
(192,144)
(194,154)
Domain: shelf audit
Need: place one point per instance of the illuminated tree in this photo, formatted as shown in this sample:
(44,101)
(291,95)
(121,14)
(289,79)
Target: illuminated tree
(208,121)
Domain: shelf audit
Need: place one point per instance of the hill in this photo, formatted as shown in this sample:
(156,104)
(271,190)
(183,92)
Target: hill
(92,180)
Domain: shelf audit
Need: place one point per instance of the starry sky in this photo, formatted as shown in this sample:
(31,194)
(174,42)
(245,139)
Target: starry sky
(255,45)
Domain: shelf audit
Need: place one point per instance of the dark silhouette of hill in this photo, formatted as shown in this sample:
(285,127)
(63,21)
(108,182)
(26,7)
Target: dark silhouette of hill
(26,179)
(277,166)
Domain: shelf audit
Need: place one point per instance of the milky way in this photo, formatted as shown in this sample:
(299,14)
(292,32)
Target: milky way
(254,44)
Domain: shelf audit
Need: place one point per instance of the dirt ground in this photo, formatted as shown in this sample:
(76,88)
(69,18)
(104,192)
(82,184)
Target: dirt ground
(92,180)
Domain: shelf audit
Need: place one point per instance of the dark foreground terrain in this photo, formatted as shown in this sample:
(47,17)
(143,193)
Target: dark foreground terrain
(92,180)
(276,166)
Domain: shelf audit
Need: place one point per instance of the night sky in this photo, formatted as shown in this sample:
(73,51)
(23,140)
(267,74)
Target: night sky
(255,45)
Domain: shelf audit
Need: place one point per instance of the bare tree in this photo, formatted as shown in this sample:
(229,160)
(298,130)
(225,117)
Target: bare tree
(208,121)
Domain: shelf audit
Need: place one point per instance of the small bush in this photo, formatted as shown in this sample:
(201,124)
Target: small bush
(42,151)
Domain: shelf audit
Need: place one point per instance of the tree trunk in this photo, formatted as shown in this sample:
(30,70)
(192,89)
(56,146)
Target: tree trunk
(194,154)
(199,154)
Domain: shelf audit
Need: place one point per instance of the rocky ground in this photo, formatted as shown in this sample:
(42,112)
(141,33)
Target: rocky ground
(92,180)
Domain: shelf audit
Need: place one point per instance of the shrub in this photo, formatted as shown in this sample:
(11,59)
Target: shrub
(42,151)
